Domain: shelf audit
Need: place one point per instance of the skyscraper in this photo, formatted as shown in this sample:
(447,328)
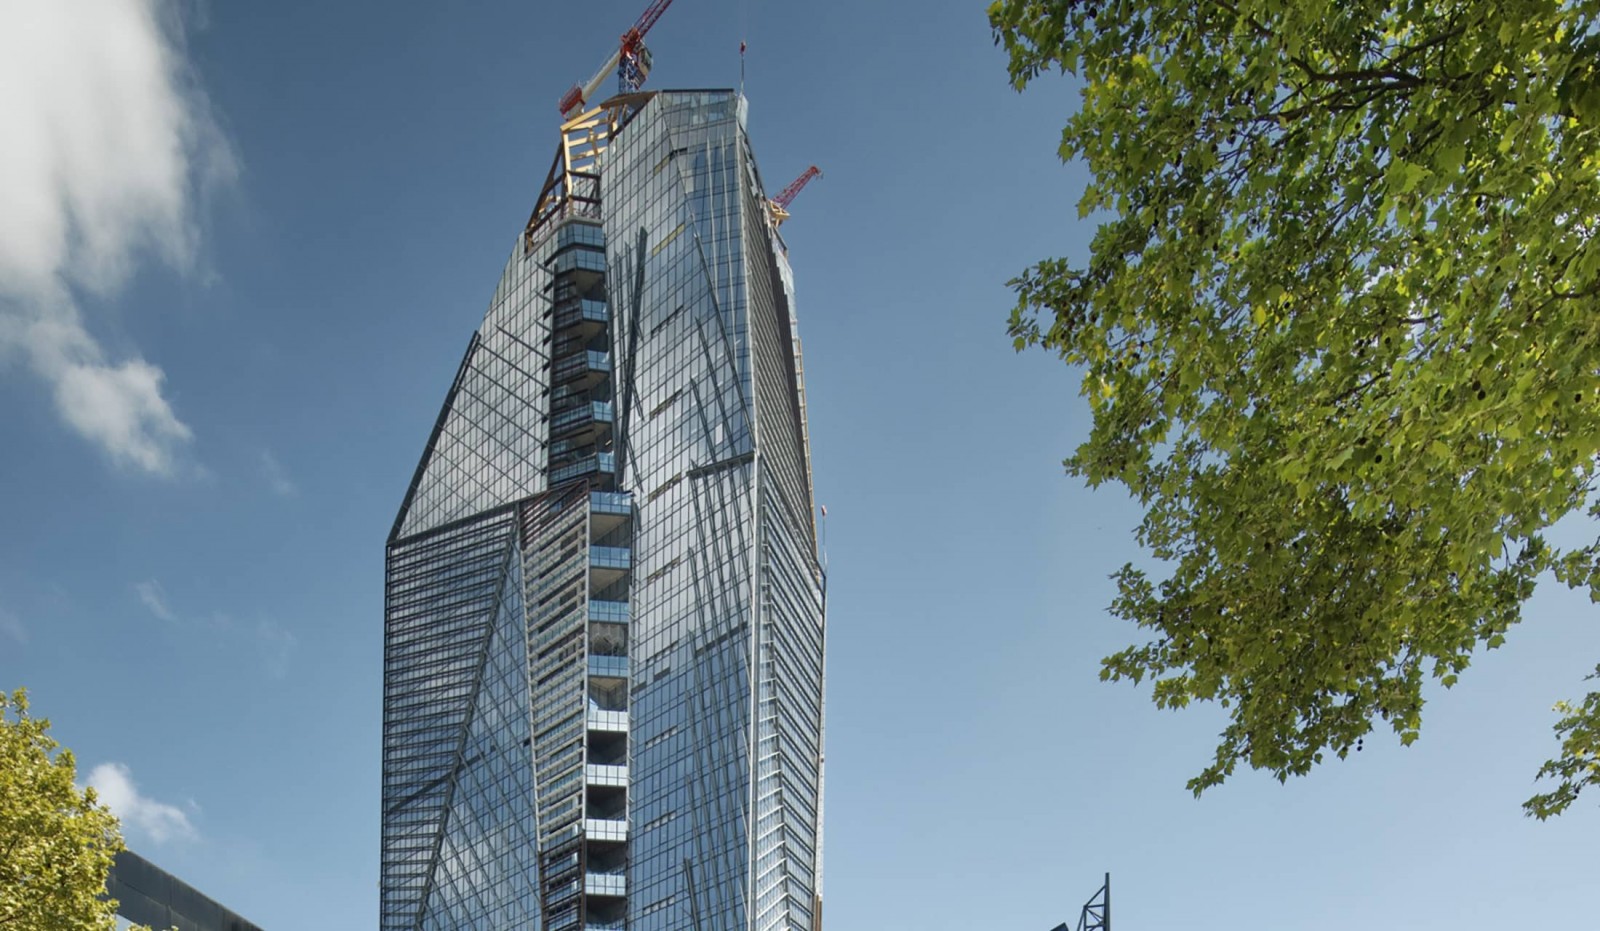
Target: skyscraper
(603,642)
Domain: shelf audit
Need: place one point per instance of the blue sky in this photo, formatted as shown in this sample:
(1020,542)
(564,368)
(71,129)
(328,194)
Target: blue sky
(273,245)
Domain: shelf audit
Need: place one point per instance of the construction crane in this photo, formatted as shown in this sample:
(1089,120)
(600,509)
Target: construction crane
(631,61)
(780,205)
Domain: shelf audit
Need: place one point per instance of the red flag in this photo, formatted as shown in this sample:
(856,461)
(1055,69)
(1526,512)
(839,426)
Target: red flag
(741,46)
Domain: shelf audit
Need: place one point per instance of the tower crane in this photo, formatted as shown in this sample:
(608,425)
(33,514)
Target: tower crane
(631,61)
(780,205)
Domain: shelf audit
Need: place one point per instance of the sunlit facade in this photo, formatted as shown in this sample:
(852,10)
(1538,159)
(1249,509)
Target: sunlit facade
(604,620)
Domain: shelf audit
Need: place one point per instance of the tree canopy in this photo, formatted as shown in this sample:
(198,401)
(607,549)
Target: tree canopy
(56,842)
(1339,330)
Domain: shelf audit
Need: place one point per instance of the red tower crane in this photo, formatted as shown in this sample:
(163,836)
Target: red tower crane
(631,61)
(780,205)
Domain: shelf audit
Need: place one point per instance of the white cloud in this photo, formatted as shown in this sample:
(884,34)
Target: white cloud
(155,599)
(158,821)
(270,641)
(277,478)
(108,143)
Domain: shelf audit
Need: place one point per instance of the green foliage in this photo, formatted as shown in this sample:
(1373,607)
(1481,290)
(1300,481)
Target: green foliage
(56,843)
(1340,334)
(1579,763)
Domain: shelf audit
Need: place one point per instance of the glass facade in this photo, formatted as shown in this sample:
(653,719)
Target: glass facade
(604,613)
(148,895)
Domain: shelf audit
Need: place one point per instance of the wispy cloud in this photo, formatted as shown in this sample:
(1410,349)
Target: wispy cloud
(154,598)
(157,821)
(277,478)
(270,641)
(277,644)
(11,626)
(109,143)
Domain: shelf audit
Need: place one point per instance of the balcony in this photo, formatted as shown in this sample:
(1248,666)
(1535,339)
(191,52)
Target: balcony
(614,721)
(599,774)
(608,510)
(610,557)
(608,612)
(608,667)
(582,312)
(589,465)
(607,566)
(605,828)
(578,258)
(592,418)
(587,367)
(605,884)
(611,502)
(580,234)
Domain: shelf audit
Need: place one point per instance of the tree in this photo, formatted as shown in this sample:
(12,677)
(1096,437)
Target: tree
(56,842)
(1340,334)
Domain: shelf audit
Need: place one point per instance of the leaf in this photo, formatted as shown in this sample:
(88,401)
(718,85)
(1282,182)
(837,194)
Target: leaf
(1407,176)
(59,842)
(1449,159)
(1363,298)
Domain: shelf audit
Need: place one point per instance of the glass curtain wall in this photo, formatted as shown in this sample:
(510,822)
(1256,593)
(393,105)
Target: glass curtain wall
(604,612)
(727,597)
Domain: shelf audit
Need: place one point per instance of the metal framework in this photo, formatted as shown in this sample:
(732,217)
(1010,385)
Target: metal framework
(1096,913)
(572,187)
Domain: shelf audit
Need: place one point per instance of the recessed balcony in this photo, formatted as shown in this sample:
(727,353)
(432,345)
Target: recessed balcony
(614,721)
(614,884)
(608,565)
(608,612)
(584,313)
(611,502)
(578,257)
(608,510)
(582,369)
(588,421)
(575,232)
(599,463)
(608,667)
(606,748)
(599,774)
(606,828)
(610,557)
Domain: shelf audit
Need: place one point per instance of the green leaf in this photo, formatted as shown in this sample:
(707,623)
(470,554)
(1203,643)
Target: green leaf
(1449,159)
(59,841)
(1355,260)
